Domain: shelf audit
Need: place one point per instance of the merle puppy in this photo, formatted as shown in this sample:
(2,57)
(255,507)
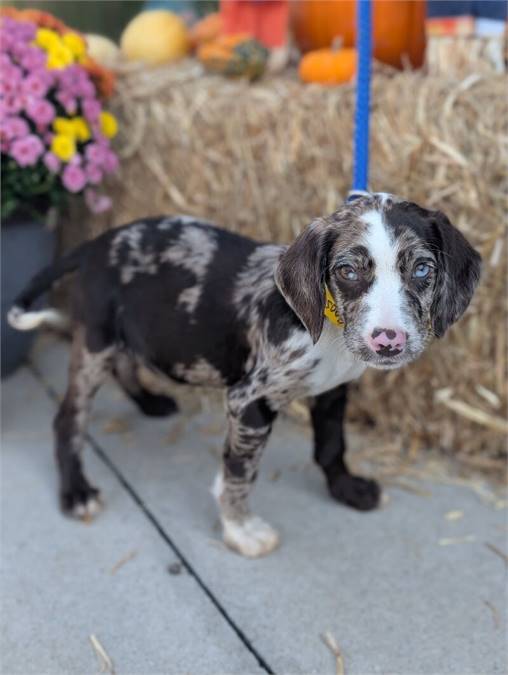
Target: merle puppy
(369,285)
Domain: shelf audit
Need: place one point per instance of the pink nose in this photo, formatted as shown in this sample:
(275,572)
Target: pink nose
(387,341)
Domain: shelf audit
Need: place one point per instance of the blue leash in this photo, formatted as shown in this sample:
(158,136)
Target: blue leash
(362,114)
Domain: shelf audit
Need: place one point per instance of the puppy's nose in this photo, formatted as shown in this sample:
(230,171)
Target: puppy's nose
(387,341)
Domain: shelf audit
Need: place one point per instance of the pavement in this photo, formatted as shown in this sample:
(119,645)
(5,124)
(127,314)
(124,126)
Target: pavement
(417,587)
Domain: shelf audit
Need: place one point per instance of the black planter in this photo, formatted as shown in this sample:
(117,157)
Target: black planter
(27,246)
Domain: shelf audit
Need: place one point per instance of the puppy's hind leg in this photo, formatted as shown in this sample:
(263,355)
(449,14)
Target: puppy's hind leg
(125,370)
(86,373)
(249,424)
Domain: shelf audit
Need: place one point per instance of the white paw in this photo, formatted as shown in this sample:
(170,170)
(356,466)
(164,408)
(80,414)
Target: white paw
(252,537)
(88,510)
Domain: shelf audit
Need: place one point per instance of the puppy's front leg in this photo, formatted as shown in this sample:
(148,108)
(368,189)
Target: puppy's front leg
(327,413)
(249,426)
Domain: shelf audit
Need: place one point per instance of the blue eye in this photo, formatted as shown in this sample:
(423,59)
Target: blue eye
(421,271)
(348,273)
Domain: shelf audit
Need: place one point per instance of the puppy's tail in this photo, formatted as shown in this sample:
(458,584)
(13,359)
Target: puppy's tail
(20,318)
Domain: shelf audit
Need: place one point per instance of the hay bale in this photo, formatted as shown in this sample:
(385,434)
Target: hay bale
(265,159)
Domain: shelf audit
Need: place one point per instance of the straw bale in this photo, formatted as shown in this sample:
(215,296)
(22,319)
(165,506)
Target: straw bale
(265,159)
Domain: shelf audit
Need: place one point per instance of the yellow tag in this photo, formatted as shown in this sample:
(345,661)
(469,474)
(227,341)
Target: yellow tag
(331,309)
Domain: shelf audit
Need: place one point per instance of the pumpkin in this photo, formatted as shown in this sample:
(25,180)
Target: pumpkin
(398,27)
(328,66)
(206,30)
(102,49)
(155,37)
(234,56)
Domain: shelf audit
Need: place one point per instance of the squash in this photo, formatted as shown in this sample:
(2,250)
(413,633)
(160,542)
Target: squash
(155,37)
(206,30)
(328,66)
(102,49)
(398,27)
(234,56)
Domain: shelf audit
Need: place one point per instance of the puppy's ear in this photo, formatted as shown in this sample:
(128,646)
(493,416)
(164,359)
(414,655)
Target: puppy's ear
(458,275)
(300,276)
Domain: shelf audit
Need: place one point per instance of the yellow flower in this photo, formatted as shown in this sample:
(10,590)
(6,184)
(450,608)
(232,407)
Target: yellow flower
(109,125)
(64,126)
(59,56)
(63,147)
(46,38)
(81,129)
(54,64)
(75,43)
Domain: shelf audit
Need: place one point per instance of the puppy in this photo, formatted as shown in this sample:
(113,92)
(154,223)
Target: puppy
(368,286)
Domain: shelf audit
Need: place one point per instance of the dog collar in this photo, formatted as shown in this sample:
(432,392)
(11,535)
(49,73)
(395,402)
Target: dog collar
(331,312)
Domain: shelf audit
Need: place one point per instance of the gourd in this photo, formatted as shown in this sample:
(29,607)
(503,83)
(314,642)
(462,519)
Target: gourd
(328,66)
(206,30)
(102,49)
(155,37)
(234,56)
(398,27)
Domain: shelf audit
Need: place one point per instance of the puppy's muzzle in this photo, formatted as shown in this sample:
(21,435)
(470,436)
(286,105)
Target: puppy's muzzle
(387,342)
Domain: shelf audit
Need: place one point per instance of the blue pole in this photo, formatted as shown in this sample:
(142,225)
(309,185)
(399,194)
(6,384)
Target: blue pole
(361,142)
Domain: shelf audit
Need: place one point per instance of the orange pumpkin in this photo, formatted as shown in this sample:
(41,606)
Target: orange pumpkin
(206,30)
(399,27)
(328,66)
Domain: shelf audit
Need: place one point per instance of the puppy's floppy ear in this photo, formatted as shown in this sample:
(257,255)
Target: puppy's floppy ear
(300,275)
(458,275)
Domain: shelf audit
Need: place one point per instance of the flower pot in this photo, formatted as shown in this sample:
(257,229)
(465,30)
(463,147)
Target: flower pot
(27,246)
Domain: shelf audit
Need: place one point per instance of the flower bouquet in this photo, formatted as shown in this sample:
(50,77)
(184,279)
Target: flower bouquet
(54,132)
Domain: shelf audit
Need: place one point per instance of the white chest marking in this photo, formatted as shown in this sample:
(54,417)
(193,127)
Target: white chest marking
(336,363)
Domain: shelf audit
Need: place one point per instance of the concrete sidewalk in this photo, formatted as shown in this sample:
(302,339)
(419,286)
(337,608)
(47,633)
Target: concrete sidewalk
(403,590)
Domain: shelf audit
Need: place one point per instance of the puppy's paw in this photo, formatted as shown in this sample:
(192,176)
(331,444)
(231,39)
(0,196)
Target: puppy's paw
(359,493)
(83,504)
(251,537)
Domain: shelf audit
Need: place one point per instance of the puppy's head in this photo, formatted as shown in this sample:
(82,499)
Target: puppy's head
(399,274)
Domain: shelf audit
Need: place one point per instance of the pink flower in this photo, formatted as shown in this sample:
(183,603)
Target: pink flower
(76,160)
(41,112)
(33,58)
(13,104)
(7,41)
(96,202)
(51,162)
(11,78)
(93,173)
(91,109)
(22,31)
(73,178)
(95,153)
(5,62)
(3,110)
(26,151)
(36,84)
(85,88)
(67,101)
(110,162)
(15,127)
